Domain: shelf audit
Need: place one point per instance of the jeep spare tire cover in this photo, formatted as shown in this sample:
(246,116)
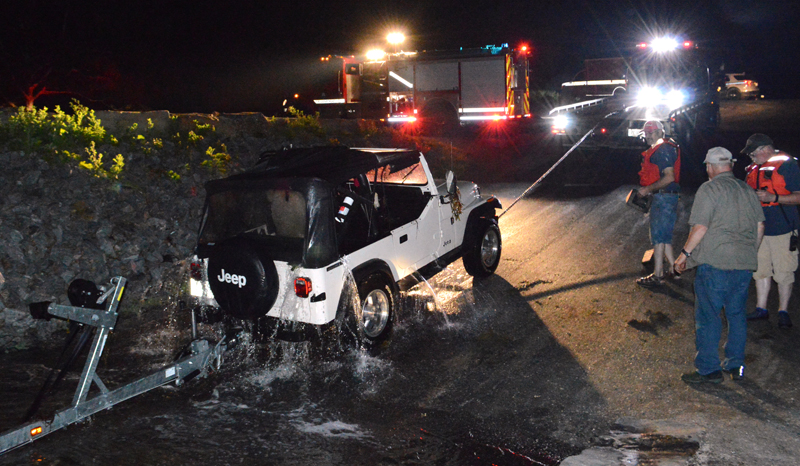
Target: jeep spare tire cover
(243,278)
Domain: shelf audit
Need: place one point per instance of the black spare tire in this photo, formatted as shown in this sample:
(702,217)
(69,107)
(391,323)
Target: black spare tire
(243,278)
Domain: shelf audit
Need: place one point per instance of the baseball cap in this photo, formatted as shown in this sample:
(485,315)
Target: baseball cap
(719,155)
(653,125)
(755,141)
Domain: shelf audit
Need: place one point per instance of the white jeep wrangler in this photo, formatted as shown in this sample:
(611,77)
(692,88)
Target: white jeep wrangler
(289,237)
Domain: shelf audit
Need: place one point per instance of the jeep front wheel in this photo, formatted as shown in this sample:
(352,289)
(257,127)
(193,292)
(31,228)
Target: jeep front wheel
(482,256)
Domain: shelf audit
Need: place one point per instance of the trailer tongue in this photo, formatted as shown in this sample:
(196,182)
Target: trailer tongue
(102,315)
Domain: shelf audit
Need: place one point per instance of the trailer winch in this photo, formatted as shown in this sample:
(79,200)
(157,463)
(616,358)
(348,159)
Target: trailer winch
(94,310)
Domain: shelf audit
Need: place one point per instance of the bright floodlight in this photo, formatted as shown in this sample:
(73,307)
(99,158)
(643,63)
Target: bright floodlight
(560,122)
(675,99)
(649,97)
(375,54)
(664,44)
(395,38)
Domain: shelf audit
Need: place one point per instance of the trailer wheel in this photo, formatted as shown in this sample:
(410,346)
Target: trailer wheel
(482,256)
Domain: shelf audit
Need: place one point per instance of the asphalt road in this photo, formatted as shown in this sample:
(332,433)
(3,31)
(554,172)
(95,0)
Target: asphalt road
(558,358)
(572,253)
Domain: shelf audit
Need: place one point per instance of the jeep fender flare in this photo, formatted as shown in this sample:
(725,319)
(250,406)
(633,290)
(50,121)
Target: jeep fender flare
(362,272)
(479,214)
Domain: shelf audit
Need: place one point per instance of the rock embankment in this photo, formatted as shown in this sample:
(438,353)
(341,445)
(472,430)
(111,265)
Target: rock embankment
(59,223)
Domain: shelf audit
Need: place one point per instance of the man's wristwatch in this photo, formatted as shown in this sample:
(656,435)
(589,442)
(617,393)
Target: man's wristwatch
(686,253)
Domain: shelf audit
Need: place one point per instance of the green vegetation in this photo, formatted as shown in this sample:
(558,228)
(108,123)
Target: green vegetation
(95,163)
(38,130)
(217,162)
(181,147)
(79,138)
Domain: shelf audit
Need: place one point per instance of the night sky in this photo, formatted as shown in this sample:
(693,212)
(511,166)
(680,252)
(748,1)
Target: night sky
(206,56)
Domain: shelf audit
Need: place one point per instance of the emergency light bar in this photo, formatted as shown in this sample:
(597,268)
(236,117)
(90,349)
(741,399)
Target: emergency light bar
(482,117)
(401,119)
(666,44)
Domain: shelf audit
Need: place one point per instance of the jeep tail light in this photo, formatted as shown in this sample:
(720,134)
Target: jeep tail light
(196,270)
(302,287)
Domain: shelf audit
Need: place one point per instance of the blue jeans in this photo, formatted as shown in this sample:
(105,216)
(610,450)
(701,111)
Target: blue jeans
(716,289)
(663,213)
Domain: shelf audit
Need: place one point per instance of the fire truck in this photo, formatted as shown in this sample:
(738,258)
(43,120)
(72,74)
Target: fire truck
(666,80)
(438,88)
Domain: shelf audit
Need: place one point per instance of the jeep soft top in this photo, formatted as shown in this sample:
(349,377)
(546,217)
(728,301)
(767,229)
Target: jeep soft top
(286,201)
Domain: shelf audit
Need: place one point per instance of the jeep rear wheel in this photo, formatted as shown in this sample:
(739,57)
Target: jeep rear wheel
(482,256)
(377,307)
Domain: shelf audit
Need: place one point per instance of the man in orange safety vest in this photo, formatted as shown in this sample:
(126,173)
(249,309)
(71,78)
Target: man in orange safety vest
(659,176)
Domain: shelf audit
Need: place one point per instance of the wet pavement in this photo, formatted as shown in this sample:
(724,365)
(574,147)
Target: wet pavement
(560,358)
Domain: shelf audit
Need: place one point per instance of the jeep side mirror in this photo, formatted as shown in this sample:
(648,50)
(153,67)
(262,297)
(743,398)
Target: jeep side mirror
(451,182)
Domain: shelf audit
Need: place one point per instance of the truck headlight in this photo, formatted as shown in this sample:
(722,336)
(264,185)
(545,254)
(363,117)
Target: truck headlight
(675,99)
(560,124)
(649,97)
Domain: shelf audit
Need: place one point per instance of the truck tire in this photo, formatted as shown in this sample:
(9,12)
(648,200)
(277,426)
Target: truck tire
(482,256)
(243,278)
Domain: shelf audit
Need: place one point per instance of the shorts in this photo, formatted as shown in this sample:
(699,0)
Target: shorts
(776,260)
(663,214)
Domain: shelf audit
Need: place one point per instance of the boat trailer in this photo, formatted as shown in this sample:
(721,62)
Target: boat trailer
(102,314)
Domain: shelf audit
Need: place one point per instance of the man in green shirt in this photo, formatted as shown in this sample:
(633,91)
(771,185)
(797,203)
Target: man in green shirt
(727,225)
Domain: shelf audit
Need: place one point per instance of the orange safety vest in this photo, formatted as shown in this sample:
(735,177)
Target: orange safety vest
(650,173)
(766,176)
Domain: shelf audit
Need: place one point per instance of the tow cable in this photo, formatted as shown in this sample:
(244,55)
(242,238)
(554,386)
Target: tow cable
(541,178)
(97,307)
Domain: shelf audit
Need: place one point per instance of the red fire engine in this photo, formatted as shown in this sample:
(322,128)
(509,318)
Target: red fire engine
(441,88)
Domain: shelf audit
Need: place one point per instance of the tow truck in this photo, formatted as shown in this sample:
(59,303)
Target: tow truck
(440,88)
(666,80)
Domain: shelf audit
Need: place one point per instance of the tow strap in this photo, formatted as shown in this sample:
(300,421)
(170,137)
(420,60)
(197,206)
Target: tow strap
(541,178)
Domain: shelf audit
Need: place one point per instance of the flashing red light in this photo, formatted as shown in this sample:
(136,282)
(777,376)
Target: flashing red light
(603,131)
(642,45)
(302,287)
(688,44)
